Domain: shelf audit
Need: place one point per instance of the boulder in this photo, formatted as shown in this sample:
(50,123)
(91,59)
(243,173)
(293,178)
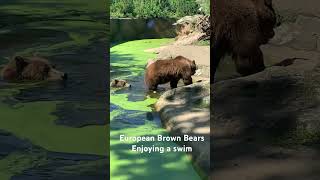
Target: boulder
(191,29)
(262,123)
(185,111)
(278,102)
(300,24)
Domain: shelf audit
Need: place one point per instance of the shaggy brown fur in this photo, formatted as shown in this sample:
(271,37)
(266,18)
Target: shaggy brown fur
(33,68)
(169,70)
(239,28)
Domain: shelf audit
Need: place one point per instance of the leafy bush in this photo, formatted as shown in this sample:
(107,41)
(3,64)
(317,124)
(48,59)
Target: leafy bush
(154,8)
(122,8)
(205,6)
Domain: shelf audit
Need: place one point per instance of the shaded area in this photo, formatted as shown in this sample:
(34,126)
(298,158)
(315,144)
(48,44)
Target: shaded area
(266,126)
(266,120)
(51,165)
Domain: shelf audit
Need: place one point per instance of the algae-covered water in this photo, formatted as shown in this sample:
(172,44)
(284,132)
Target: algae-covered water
(51,130)
(123,30)
(131,115)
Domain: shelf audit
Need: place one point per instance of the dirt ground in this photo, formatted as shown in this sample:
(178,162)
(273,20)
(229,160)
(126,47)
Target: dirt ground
(201,54)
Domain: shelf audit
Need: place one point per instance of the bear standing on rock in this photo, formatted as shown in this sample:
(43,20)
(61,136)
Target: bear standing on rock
(169,70)
(239,27)
(33,69)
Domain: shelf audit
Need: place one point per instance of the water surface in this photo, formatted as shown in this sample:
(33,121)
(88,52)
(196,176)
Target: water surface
(49,129)
(132,115)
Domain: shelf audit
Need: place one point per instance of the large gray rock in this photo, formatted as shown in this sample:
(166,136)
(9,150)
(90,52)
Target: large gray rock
(185,110)
(290,8)
(300,24)
(261,123)
(275,102)
(257,120)
(195,28)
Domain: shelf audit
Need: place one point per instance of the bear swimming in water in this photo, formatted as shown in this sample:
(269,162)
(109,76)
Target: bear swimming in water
(32,68)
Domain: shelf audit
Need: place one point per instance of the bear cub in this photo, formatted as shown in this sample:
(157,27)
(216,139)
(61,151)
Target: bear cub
(119,83)
(31,69)
(169,70)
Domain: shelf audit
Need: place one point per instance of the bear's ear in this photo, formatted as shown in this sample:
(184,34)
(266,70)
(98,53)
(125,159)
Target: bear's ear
(194,62)
(21,63)
(268,2)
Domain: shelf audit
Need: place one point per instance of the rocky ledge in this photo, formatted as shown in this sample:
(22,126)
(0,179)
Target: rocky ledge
(185,111)
(280,101)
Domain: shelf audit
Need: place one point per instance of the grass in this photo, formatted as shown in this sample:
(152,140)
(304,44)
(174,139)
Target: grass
(202,43)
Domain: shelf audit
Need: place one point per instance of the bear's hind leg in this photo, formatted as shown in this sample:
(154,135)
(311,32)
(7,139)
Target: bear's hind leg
(153,87)
(215,58)
(249,63)
(173,84)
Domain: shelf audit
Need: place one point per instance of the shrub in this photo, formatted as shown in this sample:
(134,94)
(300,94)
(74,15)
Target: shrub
(154,8)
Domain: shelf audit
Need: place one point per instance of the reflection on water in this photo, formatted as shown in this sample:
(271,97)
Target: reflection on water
(123,30)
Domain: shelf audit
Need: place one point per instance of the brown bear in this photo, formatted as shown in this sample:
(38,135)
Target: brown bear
(169,70)
(32,68)
(118,83)
(239,28)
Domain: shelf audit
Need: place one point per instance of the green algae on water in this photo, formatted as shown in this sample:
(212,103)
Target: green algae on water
(126,164)
(82,23)
(122,101)
(47,28)
(17,162)
(132,56)
(34,121)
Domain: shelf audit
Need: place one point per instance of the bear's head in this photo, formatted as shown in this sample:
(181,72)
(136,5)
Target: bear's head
(118,83)
(267,19)
(31,69)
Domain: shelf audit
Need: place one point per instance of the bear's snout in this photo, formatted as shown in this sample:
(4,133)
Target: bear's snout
(128,85)
(55,75)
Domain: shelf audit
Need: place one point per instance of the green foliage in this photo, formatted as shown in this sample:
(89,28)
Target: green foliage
(202,43)
(153,8)
(122,8)
(205,6)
